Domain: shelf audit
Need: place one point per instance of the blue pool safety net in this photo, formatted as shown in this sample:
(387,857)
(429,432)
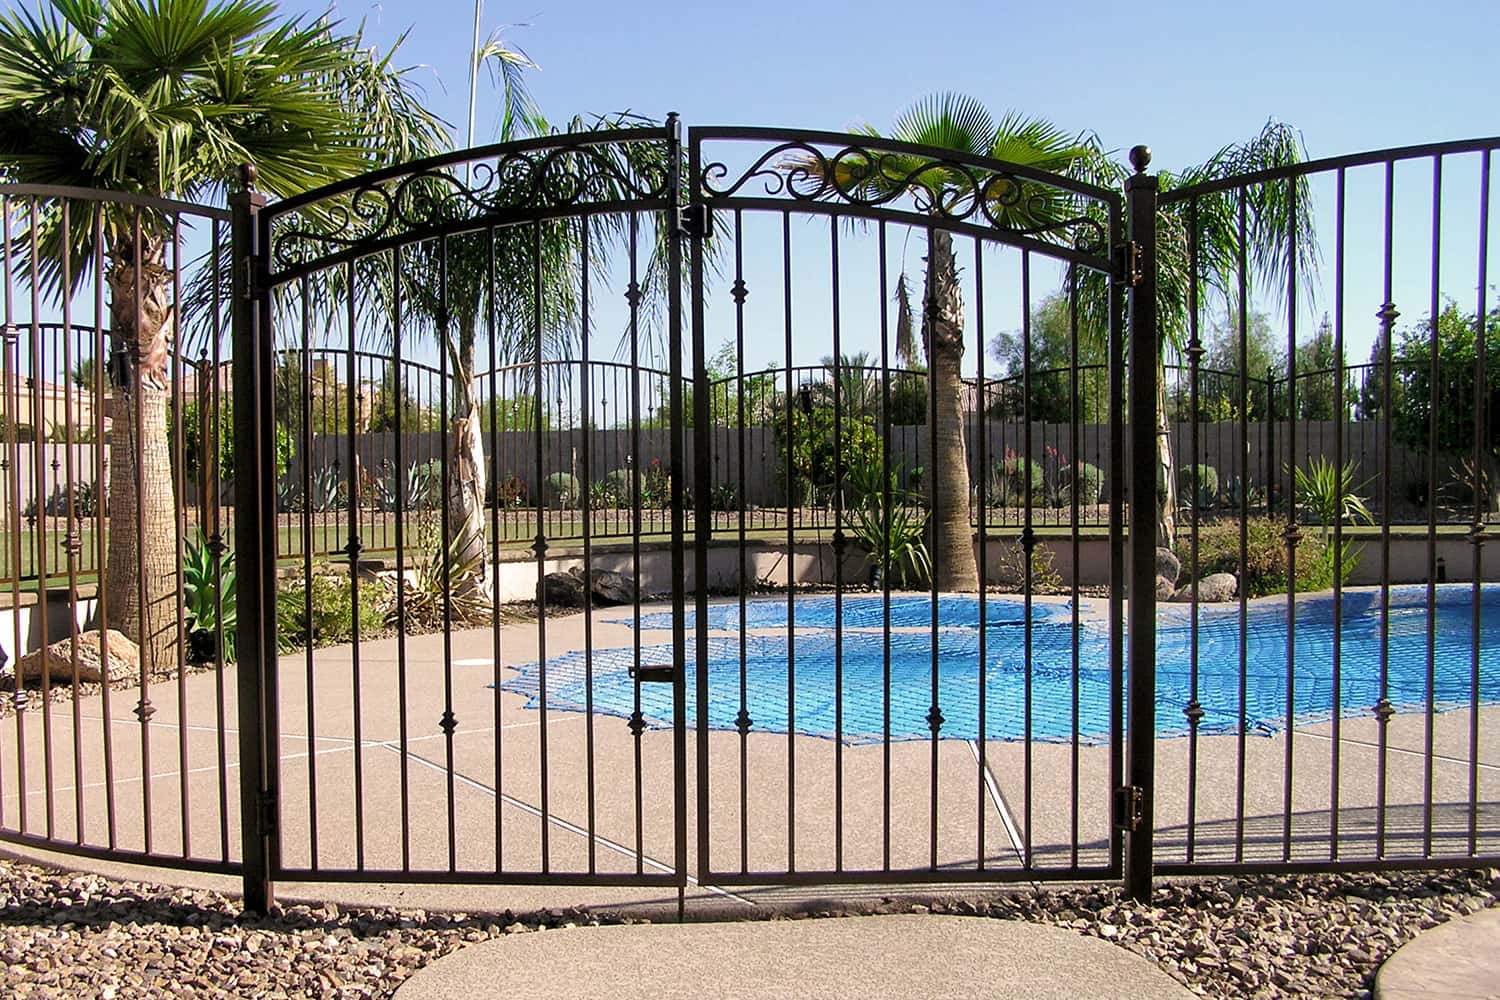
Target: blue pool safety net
(884,684)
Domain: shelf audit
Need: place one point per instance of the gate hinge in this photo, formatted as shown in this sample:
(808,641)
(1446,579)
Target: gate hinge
(266,819)
(1128,262)
(695,221)
(1130,807)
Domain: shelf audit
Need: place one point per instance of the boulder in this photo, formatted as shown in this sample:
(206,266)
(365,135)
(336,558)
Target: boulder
(57,659)
(1212,589)
(1168,566)
(610,587)
(1217,587)
(1164,589)
(563,589)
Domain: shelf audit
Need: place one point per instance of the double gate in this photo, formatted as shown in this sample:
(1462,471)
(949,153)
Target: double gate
(783,776)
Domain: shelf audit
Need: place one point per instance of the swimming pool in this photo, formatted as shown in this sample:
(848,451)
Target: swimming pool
(874,702)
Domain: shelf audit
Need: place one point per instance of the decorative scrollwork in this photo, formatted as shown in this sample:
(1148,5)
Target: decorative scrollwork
(570,175)
(931,185)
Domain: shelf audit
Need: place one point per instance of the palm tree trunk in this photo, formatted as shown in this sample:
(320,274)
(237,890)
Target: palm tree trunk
(141,574)
(954,567)
(466,490)
(1166,472)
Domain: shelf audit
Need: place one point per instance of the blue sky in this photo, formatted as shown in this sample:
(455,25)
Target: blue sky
(1184,78)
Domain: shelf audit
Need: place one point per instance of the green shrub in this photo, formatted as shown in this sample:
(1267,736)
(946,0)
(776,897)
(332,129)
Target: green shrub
(1265,556)
(811,470)
(1008,481)
(1089,480)
(330,619)
(1208,485)
(209,601)
(561,490)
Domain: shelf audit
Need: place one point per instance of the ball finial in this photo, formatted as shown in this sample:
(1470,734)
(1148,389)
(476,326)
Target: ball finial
(1140,158)
(247,176)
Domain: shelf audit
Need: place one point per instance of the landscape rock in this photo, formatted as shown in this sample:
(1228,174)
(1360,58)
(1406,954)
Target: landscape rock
(566,588)
(1165,590)
(1218,587)
(611,587)
(563,589)
(57,659)
(1168,566)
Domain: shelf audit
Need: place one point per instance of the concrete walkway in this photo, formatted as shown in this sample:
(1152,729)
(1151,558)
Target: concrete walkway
(1459,960)
(905,955)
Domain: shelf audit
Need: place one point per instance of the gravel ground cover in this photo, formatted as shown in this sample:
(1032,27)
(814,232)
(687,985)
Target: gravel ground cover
(67,934)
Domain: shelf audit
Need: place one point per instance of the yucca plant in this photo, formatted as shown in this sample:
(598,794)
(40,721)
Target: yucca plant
(1326,494)
(894,536)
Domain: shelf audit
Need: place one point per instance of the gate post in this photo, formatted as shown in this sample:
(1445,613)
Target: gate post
(1145,355)
(255,542)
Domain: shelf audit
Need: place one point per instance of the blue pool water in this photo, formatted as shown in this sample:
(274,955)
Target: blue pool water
(1064,695)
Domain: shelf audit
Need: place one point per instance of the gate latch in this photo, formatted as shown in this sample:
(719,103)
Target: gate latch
(1129,807)
(654,673)
(1128,262)
(266,801)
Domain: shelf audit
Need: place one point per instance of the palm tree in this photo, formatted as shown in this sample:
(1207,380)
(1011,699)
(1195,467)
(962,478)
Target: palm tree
(961,124)
(1205,234)
(169,98)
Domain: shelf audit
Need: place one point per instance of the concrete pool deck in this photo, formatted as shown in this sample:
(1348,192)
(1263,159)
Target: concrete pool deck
(825,825)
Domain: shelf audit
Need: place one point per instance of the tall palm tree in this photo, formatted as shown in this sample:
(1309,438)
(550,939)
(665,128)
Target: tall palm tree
(961,124)
(169,98)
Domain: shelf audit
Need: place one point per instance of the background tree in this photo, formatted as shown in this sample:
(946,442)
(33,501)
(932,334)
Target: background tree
(1454,396)
(1318,370)
(1219,395)
(1051,364)
(961,124)
(169,99)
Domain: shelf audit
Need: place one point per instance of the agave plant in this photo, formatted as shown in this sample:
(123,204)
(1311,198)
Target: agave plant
(208,593)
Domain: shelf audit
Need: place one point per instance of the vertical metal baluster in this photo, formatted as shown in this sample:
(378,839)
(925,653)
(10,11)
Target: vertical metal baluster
(398,390)
(742,721)
(446,459)
(1026,541)
(1435,374)
(982,393)
(12,377)
(354,547)
(496,677)
(1193,710)
(1293,535)
(213,478)
(1341,417)
(71,543)
(1382,708)
(1118,299)
(540,544)
(1075,623)
(101,391)
(586,489)
(1477,530)
(791,554)
(179,517)
(885,570)
(1242,637)
(637,723)
(38,384)
(838,556)
(934,716)
(144,708)
(305,449)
